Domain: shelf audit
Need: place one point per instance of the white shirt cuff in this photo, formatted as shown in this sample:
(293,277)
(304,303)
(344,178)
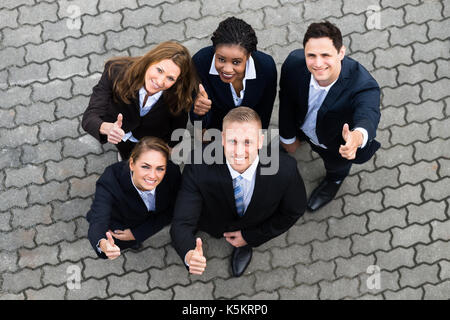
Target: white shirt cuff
(129,136)
(365,136)
(185,262)
(98,246)
(288,141)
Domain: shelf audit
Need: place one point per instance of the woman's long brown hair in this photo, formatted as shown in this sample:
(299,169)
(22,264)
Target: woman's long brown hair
(131,76)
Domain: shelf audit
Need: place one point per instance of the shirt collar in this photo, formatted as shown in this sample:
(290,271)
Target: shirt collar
(313,83)
(156,96)
(250,70)
(141,193)
(247,174)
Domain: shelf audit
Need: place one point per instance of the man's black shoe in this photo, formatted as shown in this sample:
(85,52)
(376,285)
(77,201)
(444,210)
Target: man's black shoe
(240,260)
(323,194)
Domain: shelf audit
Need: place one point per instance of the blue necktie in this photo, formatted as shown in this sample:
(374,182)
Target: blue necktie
(239,195)
(151,202)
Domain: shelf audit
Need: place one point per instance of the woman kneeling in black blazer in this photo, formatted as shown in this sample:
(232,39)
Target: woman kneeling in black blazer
(134,199)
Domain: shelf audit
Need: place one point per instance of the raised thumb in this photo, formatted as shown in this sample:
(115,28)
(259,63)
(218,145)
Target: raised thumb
(198,246)
(345,131)
(119,120)
(203,91)
(110,238)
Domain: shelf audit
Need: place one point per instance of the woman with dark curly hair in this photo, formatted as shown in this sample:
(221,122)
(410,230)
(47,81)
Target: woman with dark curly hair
(142,96)
(233,73)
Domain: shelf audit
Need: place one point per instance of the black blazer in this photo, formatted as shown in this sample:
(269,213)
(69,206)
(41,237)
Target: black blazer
(259,93)
(158,122)
(117,204)
(206,202)
(353,99)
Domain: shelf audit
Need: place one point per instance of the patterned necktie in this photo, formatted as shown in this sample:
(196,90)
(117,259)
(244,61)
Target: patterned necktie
(146,98)
(151,202)
(239,195)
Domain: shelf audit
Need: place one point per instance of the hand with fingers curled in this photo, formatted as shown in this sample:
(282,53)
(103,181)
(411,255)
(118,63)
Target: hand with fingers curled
(124,235)
(113,130)
(353,140)
(202,104)
(108,247)
(195,259)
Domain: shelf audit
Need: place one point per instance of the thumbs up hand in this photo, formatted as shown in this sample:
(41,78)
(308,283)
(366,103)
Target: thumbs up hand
(353,139)
(113,130)
(196,259)
(202,104)
(111,250)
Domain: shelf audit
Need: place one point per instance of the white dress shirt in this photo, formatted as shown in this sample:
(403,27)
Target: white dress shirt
(143,109)
(250,73)
(317,95)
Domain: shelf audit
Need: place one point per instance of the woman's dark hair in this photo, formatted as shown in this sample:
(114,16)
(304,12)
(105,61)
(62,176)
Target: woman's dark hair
(324,30)
(147,144)
(235,31)
(132,75)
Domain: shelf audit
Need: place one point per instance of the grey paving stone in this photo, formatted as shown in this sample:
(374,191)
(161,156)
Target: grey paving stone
(255,4)
(12,57)
(430,51)
(89,289)
(411,235)
(10,296)
(436,190)
(379,179)
(331,249)
(68,68)
(408,34)
(387,280)
(66,8)
(339,289)
(24,176)
(35,112)
(444,270)
(21,36)
(124,39)
(432,150)
(180,11)
(8,261)
(71,108)
(254,18)
(100,23)
(390,17)
(401,95)
(416,73)
(357,7)
(395,258)
(282,15)
(28,74)
(196,291)
(348,24)
(302,292)
(38,256)
(260,296)
(160,239)
(276,278)
(398,3)
(402,196)
(404,294)
(391,116)
(8,18)
(55,233)
(394,56)
(418,172)
(424,12)
(374,39)
(80,146)
(47,293)
(83,86)
(262,261)
(75,251)
(426,212)
(45,193)
(163,32)
(292,255)
(31,216)
(201,28)
(11,97)
(233,287)
(433,252)
(40,12)
(307,232)
(419,275)
(17,282)
(211,7)
(363,202)
(13,198)
(350,186)
(168,277)
(156,294)
(100,268)
(141,17)
(347,226)
(409,133)
(444,168)
(435,90)
(128,283)
(7,118)
(85,45)
(442,67)
(144,259)
(61,29)
(220,268)
(425,111)
(386,77)
(60,274)
(18,136)
(39,53)
(437,292)
(52,90)
(60,171)
(97,164)
(5,224)
(372,242)
(387,219)
(105,5)
(41,152)
(271,36)
(318,11)
(353,266)
(83,187)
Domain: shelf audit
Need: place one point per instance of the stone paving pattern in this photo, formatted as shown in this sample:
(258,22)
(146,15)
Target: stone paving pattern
(392,212)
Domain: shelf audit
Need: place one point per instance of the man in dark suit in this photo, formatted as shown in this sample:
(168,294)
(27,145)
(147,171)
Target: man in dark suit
(333,103)
(235,199)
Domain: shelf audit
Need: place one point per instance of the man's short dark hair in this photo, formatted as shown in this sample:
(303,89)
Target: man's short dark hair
(324,29)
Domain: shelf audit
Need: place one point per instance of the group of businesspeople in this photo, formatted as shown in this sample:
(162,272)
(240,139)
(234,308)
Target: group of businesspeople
(325,99)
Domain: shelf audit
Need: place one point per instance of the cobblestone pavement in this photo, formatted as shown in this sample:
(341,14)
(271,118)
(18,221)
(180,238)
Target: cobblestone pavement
(392,212)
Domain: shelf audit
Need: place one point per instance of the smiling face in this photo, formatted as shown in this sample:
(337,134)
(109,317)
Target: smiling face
(161,76)
(148,170)
(241,142)
(323,60)
(230,62)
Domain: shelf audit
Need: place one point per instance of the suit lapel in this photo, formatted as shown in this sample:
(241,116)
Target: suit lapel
(259,193)
(223,91)
(227,186)
(303,93)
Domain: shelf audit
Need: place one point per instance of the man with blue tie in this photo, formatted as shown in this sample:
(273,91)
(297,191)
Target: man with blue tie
(333,103)
(235,199)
